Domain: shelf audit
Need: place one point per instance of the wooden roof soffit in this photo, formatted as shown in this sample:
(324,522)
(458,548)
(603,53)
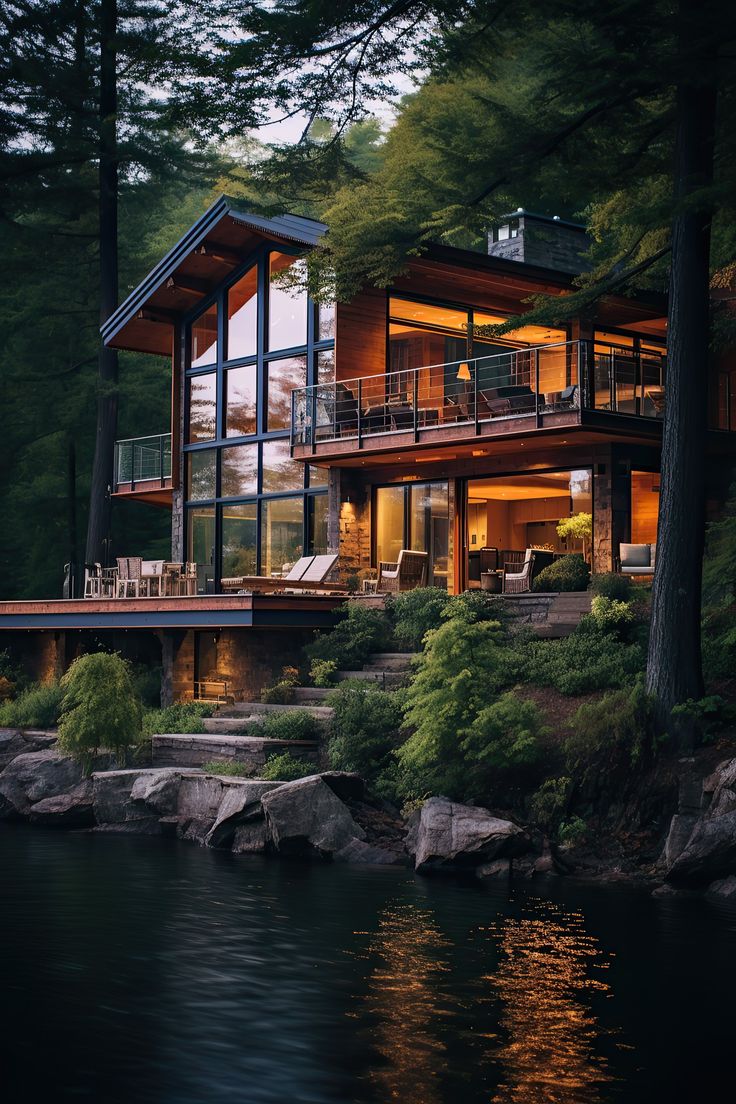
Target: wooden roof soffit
(218,253)
(158,314)
(192,284)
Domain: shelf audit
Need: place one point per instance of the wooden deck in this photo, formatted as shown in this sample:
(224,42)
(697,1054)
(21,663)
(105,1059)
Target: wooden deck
(202,611)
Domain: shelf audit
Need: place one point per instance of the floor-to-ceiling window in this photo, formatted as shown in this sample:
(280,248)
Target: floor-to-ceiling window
(251,509)
(415,516)
(644,507)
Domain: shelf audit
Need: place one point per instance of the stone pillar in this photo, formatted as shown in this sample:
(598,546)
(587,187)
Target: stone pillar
(602,558)
(354,524)
(167,668)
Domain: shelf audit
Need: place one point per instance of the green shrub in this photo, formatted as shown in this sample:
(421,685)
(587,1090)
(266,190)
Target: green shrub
(100,708)
(38,706)
(363,728)
(415,612)
(12,677)
(580,663)
(322,673)
(697,722)
(612,585)
(292,724)
(609,615)
(456,676)
(567,573)
(502,741)
(572,832)
(548,804)
(282,691)
(178,718)
(147,685)
(719,642)
(610,737)
(359,631)
(286,768)
(235,770)
(719,562)
(475,605)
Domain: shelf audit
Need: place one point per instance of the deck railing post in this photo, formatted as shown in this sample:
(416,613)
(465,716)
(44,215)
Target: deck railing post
(537,413)
(132,465)
(161,457)
(416,404)
(476,419)
(313,417)
(360,412)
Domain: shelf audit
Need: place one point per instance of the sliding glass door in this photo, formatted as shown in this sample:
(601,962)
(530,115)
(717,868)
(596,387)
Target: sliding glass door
(415,516)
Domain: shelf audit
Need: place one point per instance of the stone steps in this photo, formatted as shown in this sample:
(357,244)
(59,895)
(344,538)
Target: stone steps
(245,711)
(382,678)
(389,661)
(195,749)
(310,695)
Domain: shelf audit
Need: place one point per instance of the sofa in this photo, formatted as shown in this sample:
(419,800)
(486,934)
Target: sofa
(637,559)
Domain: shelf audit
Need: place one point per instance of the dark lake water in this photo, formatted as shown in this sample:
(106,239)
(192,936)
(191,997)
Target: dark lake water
(142,970)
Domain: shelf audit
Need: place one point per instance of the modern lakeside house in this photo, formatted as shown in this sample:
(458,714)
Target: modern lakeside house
(397,421)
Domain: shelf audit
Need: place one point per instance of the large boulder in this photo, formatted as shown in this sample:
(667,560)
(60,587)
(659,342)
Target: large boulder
(359,851)
(240,804)
(68,810)
(451,836)
(115,808)
(708,851)
(723,890)
(307,817)
(33,776)
(158,790)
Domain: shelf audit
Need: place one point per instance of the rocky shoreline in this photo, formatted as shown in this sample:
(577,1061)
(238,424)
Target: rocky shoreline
(329,816)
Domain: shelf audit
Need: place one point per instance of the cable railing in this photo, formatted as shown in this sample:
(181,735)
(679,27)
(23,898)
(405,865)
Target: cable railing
(142,460)
(519,383)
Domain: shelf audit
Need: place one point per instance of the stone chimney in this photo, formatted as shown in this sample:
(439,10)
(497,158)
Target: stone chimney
(548,242)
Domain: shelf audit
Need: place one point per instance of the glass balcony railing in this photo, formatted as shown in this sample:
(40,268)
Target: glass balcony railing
(142,460)
(521,383)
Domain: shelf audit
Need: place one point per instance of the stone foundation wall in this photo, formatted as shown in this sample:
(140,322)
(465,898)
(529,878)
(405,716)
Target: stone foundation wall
(250,659)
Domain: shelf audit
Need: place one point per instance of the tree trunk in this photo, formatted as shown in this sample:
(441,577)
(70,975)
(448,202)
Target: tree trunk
(674,668)
(98,527)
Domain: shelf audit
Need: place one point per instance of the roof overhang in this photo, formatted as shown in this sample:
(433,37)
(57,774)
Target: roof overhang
(217,244)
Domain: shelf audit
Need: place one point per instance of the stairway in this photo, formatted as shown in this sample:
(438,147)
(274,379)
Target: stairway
(564,615)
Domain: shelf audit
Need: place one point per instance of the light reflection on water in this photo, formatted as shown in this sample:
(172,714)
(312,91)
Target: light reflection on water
(549,966)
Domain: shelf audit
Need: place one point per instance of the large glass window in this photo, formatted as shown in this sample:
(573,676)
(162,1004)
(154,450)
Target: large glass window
(201,544)
(242,316)
(239,476)
(287,306)
(282,533)
(325,321)
(644,507)
(280,472)
(201,474)
(203,407)
(240,401)
(204,338)
(415,516)
(389,532)
(318,477)
(326,366)
(317,524)
(283,376)
(239,539)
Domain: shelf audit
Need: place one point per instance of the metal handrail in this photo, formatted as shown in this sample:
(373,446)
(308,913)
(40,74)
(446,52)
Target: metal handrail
(136,463)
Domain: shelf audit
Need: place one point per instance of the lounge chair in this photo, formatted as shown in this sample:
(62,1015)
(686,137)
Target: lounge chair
(308,573)
(407,573)
(237,582)
(518,580)
(638,559)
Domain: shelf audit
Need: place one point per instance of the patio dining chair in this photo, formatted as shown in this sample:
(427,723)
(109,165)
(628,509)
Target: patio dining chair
(130,569)
(407,573)
(93,580)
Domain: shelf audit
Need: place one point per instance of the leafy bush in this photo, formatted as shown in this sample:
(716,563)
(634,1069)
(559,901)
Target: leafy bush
(576,527)
(719,642)
(415,612)
(475,605)
(581,662)
(322,672)
(612,585)
(610,737)
(178,718)
(235,770)
(147,685)
(609,615)
(363,728)
(292,724)
(38,706)
(572,832)
(100,708)
(697,722)
(719,563)
(282,691)
(12,677)
(548,804)
(359,631)
(456,676)
(286,768)
(567,573)
(502,740)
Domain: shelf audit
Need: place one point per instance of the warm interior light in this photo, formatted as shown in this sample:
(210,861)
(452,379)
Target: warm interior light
(463,372)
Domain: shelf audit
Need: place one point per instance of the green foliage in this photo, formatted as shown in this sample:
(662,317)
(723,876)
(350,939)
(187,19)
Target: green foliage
(359,631)
(178,718)
(573,832)
(719,563)
(576,527)
(609,615)
(580,663)
(282,691)
(11,674)
(322,672)
(228,770)
(567,573)
(610,737)
(415,612)
(286,768)
(502,740)
(38,706)
(610,584)
(697,722)
(548,805)
(475,605)
(719,642)
(100,707)
(147,684)
(292,724)
(364,727)
(462,667)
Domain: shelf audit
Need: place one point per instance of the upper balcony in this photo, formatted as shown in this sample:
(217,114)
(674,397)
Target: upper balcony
(143,468)
(519,391)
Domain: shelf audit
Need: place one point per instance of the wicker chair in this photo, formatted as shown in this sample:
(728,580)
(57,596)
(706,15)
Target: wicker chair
(518,580)
(407,573)
(130,569)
